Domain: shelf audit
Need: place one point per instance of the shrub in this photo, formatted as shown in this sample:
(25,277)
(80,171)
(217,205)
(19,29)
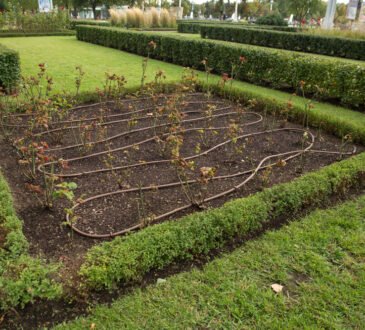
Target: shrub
(39,22)
(9,68)
(155,20)
(76,22)
(327,78)
(273,19)
(128,258)
(336,121)
(130,18)
(332,46)
(136,18)
(188,26)
(14,34)
(22,278)
(114,17)
(139,18)
(165,19)
(25,279)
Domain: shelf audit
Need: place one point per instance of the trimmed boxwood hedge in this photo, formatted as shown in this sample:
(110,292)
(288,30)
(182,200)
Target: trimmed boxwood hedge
(187,26)
(327,78)
(15,34)
(128,258)
(334,120)
(75,22)
(9,68)
(332,46)
(193,28)
(23,279)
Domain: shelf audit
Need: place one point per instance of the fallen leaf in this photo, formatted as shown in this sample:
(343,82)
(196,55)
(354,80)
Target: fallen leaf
(277,288)
(34,188)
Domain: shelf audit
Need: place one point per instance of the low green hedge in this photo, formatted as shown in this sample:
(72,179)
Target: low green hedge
(14,34)
(331,119)
(331,46)
(193,28)
(327,78)
(75,22)
(128,258)
(187,26)
(9,68)
(22,278)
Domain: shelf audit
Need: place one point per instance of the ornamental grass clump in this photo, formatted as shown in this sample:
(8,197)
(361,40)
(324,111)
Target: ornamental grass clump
(136,18)
(165,18)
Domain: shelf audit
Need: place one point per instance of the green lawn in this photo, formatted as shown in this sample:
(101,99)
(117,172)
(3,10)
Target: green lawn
(319,261)
(63,54)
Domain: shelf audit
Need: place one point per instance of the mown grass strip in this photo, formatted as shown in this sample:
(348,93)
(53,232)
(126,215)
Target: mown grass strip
(319,260)
(129,258)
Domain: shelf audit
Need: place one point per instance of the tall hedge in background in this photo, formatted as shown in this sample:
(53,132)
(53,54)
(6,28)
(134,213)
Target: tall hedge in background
(328,79)
(9,68)
(273,19)
(75,22)
(193,26)
(331,46)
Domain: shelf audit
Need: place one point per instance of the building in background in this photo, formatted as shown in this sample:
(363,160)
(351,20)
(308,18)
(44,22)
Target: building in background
(45,6)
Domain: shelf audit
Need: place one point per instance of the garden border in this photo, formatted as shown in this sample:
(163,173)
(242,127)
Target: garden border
(283,257)
(129,258)
(22,277)
(328,78)
(18,34)
(349,171)
(9,68)
(193,26)
(323,45)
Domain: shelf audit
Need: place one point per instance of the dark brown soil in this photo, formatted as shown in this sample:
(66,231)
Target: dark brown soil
(51,238)
(46,229)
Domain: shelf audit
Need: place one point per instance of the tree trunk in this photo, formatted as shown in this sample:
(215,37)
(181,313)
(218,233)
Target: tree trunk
(94,10)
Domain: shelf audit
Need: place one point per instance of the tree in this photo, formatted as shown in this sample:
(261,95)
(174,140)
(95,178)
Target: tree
(185,4)
(2,5)
(22,4)
(63,3)
(301,8)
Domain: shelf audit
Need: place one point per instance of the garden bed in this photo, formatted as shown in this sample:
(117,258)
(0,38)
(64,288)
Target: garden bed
(127,180)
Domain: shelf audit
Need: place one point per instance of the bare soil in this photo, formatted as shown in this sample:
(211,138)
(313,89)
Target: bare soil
(133,124)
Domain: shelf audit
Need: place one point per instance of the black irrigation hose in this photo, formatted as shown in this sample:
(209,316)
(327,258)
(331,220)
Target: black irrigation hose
(252,172)
(138,130)
(107,123)
(42,166)
(285,156)
(111,102)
